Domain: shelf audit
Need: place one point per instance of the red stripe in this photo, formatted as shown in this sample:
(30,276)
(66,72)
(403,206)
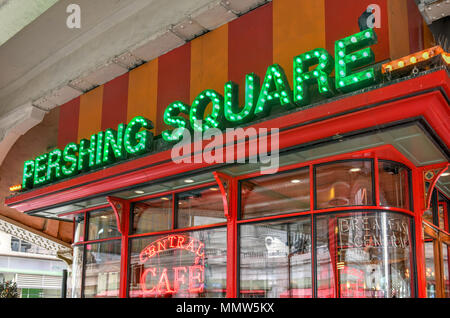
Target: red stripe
(174,75)
(115,101)
(68,122)
(250,44)
(415,26)
(341,18)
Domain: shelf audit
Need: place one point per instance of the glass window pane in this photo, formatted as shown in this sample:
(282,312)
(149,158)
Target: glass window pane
(441,216)
(152,215)
(326,257)
(344,183)
(275,259)
(394,185)
(428,215)
(446,273)
(275,194)
(179,265)
(364,255)
(430,270)
(102,224)
(102,270)
(200,207)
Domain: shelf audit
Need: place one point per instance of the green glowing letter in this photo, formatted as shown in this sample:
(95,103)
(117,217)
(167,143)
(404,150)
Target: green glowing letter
(86,154)
(113,149)
(40,168)
(136,141)
(274,91)
(233,113)
(171,118)
(70,167)
(303,78)
(215,119)
(53,167)
(350,55)
(28,174)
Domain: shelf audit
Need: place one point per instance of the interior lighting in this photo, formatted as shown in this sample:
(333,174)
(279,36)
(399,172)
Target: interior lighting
(139,192)
(189,181)
(355,170)
(295,181)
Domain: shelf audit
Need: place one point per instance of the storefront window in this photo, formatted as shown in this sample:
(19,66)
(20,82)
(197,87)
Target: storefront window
(102,269)
(102,224)
(430,270)
(152,215)
(441,217)
(364,255)
(200,207)
(394,184)
(345,183)
(275,259)
(179,265)
(275,194)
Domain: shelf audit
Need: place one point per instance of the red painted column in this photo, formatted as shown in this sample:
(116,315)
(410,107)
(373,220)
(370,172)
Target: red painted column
(232,238)
(419,201)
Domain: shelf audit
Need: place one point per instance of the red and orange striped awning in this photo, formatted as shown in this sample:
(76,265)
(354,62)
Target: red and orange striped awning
(273,33)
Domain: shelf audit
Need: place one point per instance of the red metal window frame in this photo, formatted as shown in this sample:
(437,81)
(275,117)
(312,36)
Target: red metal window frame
(379,153)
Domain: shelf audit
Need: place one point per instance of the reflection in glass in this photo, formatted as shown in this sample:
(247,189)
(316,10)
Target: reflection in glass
(275,194)
(394,185)
(441,217)
(179,265)
(152,215)
(369,255)
(345,183)
(275,259)
(200,207)
(428,215)
(102,270)
(102,224)
(430,270)
(445,273)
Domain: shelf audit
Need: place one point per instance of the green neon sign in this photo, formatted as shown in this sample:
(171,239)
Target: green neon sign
(109,146)
(351,53)
(99,150)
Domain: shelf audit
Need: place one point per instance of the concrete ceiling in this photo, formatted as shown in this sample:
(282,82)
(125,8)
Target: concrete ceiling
(47,64)
(15,15)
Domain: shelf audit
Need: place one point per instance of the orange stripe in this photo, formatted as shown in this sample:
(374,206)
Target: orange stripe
(398,28)
(209,62)
(142,92)
(298,27)
(90,119)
